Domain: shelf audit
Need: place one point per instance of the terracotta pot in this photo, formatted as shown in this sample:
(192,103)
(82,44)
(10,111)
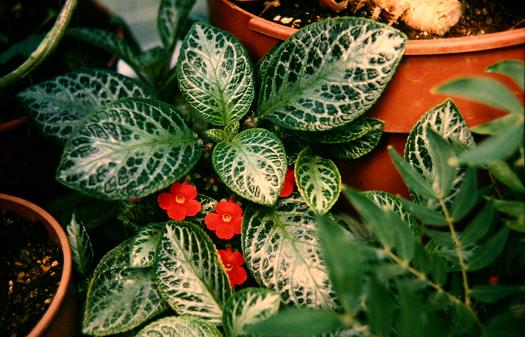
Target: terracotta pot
(426,64)
(60,318)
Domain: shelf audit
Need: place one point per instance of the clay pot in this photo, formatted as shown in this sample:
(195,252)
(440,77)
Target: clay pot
(426,64)
(60,318)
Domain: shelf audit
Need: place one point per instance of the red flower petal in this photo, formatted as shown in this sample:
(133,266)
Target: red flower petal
(177,212)
(192,207)
(175,188)
(224,232)
(289,183)
(188,191)
(236,259)
(228,207)
(212,220)
(237,276)
(165,201)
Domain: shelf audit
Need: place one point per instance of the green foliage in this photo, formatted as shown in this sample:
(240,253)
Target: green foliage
(81,248)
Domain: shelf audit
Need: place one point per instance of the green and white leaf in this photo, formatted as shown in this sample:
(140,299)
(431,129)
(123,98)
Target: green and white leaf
(329,73)
(207,207)
(215,75)
(252,165)
(216,135)
(171,18)
(344,134)
(109,42)
(388,202)
(190,275)
(57,105)
(362,145)
(248,306)
(318,181)
(144,246)
(446,120)
(130,148)
(81,248)
(282,251)
(181,326)
(119,297)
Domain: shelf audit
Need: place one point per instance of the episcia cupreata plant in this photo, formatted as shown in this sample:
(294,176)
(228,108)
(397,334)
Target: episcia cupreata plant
(464,278)
(248,127)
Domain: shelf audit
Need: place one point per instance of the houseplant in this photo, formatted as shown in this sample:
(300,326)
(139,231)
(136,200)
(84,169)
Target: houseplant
(426,64)
(59,317)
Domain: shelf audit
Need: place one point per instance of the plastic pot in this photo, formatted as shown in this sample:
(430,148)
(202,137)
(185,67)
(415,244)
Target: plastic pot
(426,63)
(60,318)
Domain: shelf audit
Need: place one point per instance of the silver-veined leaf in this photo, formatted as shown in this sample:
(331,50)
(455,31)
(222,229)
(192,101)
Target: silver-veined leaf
(329,73)
(130,148)
(215,75)
(248,306)
(119,297)
(388,202)
(190,275)
(282,251)
(170,20)
(318,181)
(362,145)
(344,134)
(57,105)
(252,164)
(207,206)
(81,248)
(181,326)
(144,246)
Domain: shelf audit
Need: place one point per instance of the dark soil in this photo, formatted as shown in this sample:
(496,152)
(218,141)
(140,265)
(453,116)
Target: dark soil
(479,16)
(30,271)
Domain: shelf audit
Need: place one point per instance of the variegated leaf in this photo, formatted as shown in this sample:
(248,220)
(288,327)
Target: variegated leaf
(344,134)
(390,203)
(215,75)
(282,251)
(119,297)
(81,248)
(190,275)
(252,165)
(318,181)
(248,306)
(216,135)
(170,20)
(182,326)
(130,148)
(445,120)
(329,73)
(144,246)
(57,105)
(362,145)
(207,206)
(109,42)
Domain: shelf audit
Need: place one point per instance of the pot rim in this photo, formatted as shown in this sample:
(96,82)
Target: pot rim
(30,211)
(452,45)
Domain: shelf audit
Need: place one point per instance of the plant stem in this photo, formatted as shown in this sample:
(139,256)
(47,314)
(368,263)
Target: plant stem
(45,47)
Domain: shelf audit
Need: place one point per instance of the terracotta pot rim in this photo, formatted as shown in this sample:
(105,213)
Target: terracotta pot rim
(414,47)
(16,205)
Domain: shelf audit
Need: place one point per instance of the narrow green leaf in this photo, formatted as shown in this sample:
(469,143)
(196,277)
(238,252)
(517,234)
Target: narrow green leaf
(511,68)
(144,246)
(495,148)
(441,152)
(119,297)
(329,73)
(215,75)
(496,126)
(427,215)
(466,197)
(362,145)
(489,250)
(248,306)
(493,293)
(506,324)
(479,226)
(298,322)
(109,42)
(189,274)
(483,90)
(253,165)
(502,172)
(171,18)
(59,104)
(182,326)
(318,181)
(282,251)
(380,307)
(81,248)
(509,207)
(130,148)
(415,181)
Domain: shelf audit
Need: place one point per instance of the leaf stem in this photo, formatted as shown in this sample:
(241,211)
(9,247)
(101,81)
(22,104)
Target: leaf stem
(45,47)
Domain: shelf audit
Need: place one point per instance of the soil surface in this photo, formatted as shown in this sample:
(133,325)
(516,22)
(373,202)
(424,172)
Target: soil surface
(30,271)
(479,16)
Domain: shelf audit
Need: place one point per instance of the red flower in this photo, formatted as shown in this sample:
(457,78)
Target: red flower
(493,280)
(226,221)
(232,262)
(180,201)
(289,183)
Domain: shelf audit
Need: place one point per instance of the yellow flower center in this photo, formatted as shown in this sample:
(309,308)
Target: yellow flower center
(226,218)
(228,267)
(180,199)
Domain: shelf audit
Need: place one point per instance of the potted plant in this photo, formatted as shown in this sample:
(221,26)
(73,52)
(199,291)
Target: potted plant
(38,255)
(426,64)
